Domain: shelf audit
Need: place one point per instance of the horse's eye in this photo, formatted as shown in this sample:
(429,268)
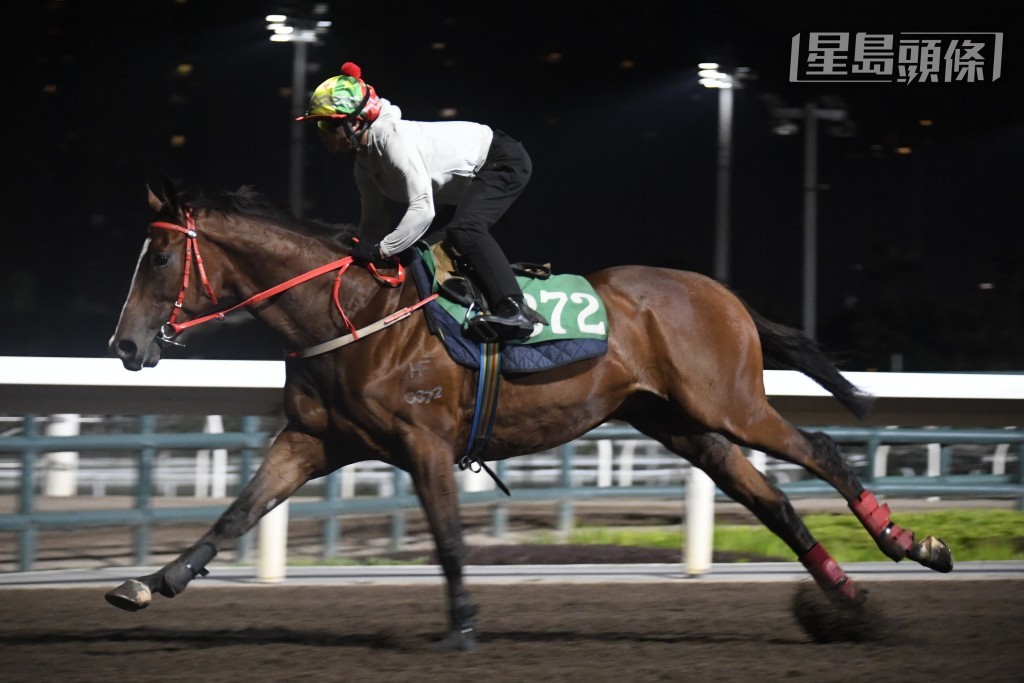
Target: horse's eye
(161,259)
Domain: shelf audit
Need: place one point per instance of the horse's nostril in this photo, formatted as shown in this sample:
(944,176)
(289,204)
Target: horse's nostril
(125,348)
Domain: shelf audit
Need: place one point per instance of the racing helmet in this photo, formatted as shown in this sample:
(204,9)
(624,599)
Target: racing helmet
(342,98)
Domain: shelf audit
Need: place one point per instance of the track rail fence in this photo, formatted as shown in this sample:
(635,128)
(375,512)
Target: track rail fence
(170,450)
(914,462)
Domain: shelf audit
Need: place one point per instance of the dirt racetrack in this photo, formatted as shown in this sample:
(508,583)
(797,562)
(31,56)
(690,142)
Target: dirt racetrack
(686,631)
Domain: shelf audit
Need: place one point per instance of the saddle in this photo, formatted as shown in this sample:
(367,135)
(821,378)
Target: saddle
(454,279)
(578,328)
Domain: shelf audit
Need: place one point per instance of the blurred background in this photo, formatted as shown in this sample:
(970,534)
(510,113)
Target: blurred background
(920,252)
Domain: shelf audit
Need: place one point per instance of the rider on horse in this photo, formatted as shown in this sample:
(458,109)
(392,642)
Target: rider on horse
(479,170)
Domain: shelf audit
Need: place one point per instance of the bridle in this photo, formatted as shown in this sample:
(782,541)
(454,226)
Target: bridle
(172,328)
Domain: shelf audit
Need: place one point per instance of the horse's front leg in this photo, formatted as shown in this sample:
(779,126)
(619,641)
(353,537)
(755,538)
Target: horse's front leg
(292,460)
(433,476)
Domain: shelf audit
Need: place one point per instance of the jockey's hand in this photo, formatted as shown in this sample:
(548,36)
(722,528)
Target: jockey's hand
(364,253)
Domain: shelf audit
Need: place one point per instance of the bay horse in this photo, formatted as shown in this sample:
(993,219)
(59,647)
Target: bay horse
(684,365)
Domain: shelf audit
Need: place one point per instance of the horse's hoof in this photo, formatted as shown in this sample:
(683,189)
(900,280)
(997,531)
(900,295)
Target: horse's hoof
(932,553)
(459,641)
(131,596)
(847,594)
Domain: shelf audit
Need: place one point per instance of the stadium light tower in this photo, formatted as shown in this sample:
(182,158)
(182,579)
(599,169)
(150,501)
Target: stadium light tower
(300,32)
(712,77)
(811,113)
(700,489)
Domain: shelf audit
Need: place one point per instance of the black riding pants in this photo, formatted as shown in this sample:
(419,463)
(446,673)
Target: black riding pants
(490,193)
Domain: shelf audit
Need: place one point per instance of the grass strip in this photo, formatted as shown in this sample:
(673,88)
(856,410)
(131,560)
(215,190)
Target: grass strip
(972,535)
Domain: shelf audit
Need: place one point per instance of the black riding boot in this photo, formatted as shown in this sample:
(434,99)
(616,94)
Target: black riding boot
(511,318)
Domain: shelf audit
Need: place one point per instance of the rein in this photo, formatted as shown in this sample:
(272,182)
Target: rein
(171,328)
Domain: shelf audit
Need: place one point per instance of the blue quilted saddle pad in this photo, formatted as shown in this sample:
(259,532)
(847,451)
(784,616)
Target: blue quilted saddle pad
(578,329)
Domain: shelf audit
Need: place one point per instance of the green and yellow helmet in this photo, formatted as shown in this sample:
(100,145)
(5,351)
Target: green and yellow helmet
(343,97)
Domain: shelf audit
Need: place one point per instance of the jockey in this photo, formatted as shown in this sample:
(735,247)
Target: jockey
(479,170)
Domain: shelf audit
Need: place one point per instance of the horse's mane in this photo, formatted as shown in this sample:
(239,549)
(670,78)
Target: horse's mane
(246,200)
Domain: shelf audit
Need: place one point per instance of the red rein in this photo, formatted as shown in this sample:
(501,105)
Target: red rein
(192,247)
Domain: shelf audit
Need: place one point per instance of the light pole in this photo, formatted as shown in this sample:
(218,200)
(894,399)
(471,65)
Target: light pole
(711,77)
(700,489)
(811,113)
(300,32)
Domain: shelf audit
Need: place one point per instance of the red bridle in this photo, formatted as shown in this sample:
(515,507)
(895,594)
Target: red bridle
(191,247)
(171,328)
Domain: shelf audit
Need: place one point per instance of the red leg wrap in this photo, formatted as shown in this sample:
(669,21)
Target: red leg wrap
(830,576)
(900,537)
(873,516)
(894,540)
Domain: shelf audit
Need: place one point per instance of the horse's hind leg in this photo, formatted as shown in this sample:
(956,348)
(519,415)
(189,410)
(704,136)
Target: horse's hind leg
(741,481)
(893,540)
(291,461)
(820,455)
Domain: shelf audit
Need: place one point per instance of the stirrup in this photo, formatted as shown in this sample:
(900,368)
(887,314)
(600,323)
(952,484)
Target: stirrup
(499,329)
(480,331)
(516,325)
(517,314)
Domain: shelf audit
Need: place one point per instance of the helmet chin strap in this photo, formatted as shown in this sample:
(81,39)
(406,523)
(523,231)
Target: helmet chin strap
(353,133)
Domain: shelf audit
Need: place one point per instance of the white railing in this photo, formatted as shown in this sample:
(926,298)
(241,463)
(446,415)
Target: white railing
(206,387)
(189,387)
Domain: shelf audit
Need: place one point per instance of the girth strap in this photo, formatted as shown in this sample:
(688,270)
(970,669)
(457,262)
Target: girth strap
(488,381)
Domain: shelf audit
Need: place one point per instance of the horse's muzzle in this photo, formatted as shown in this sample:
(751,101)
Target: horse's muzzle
(133,357)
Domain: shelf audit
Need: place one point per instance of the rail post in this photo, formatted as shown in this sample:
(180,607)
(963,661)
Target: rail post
(273,532)
(331,528)
(499,513)
(700,521)
(873,460)
(143,490)
(1019,479)
(566,510)
(398,514)
(26,504)
(250,425)
(61,477)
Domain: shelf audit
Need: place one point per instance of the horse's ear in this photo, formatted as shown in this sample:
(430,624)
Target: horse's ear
(171,197)
(154,202)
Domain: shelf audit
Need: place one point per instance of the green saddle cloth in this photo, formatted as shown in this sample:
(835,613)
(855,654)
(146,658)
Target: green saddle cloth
(568,302)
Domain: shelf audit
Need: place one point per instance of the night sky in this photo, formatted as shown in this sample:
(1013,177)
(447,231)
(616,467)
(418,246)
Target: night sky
(605,97)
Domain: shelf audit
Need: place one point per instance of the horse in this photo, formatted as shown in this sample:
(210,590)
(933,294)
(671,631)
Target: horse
(684,365)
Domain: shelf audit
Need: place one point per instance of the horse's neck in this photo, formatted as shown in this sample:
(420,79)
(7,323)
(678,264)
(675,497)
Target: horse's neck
(264,256)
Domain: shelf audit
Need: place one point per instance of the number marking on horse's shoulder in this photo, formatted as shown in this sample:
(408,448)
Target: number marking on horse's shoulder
(423,395)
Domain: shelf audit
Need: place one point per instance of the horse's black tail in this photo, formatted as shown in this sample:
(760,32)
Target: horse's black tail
(785,348)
